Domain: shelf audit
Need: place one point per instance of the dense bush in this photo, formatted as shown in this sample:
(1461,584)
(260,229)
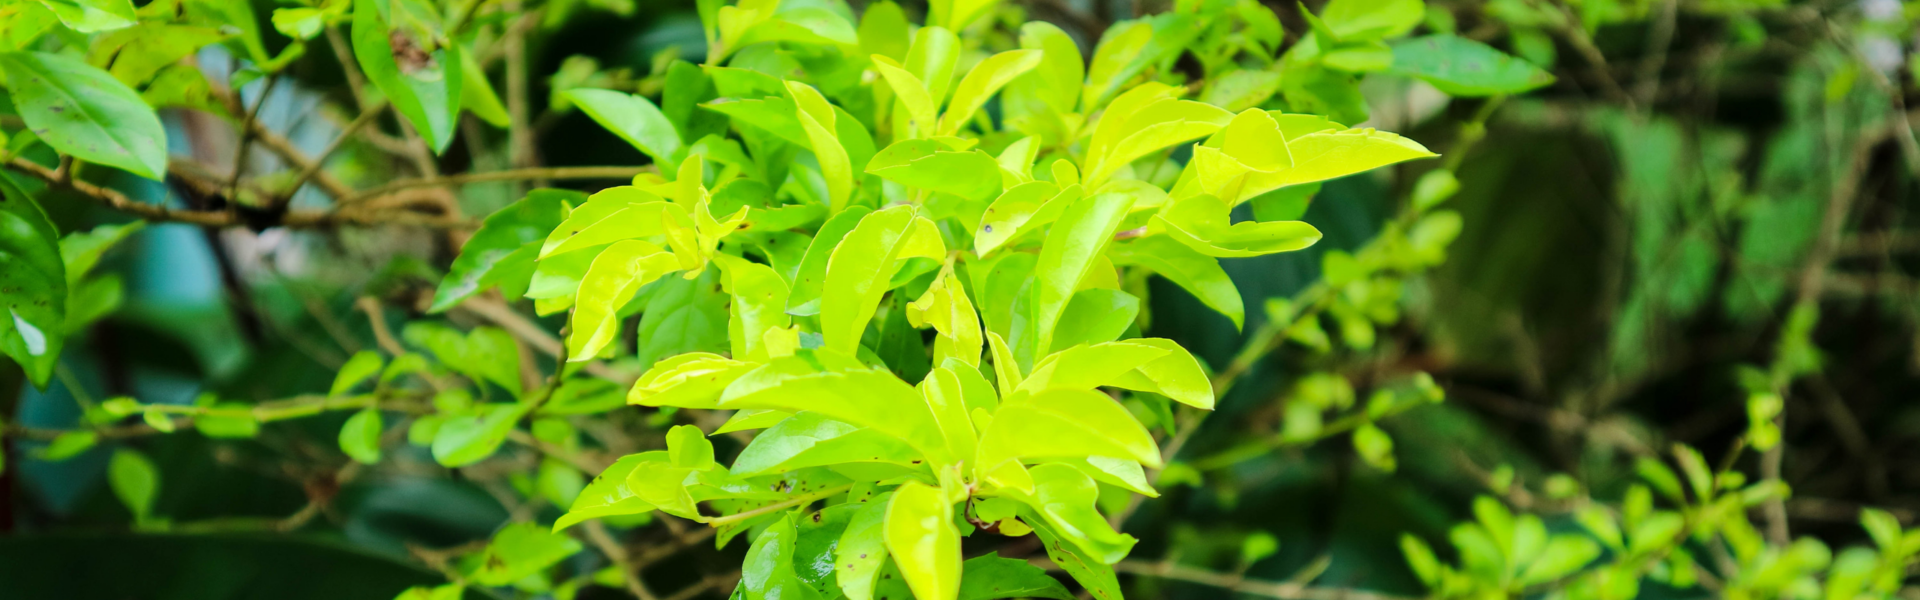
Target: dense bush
(929,301)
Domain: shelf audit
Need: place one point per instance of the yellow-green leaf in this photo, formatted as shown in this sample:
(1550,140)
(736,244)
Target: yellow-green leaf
(1064,423)
(980,84)
(861,266)
(615,276)
(924,543)
(1065,497)
(1201,223)
(360,436)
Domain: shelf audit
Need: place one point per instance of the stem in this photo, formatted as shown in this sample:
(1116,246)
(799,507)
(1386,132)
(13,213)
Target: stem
(772,508)
(508,175)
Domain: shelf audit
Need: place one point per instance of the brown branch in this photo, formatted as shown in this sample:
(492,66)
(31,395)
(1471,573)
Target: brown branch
(297,219)
(596,533)
(1284,590)
(320,161)
(508,175)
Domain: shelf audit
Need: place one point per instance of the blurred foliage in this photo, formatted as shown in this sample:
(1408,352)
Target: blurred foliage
(1648,327)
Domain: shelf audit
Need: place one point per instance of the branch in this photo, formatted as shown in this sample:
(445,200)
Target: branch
(295,219)
(1245,585)
(508,175)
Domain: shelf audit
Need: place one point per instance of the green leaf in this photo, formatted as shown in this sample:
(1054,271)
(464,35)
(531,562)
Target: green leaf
(91,300)
(476,93)
(803,25)
(635,119)
(1020,210)
(1421,559)
(360,436)
(864,397)
(1144,120)
(751,419)
(777,115)
(135,481)
(997,282)
(1118,472)
(1564,555)
(301,23)
(768,571)
(809,279)
(92,16)
(884,30)
(1372,19)
(1070,250)
(1463,67)
(862,550)
(1240,90)
(471,438)
(990,577)
(610,217)
(364,365)
(608,494)
(932,58)
(928,165)
(924,543)
(82,111)
(1201,222)
(1064,423)
(520,550)
(912,94)
(33,286)
(1094,316)
(451,591)
(138,53)
(691,380)
(758,306)
(1882,527)
(684,315)
(69,444)
(861,266)
(1176,374)
(228,426)
(1374,446)
(688,448)
(1061,71)
(620,271)
(816,537)
(426,87)
(818,120)
(1095,576)
(483,354)
(1194,272)
(987,77)
(1065,497)
(1324,155)
(584,396)
(808,439)
(81,250)
(1113,62)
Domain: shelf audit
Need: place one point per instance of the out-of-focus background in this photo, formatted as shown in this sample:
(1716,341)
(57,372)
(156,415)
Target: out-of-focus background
(1638,239)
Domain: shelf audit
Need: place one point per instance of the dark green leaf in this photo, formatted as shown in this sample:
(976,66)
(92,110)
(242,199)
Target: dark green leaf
(1464,67)
(33,285)
(81,110)
(990,577)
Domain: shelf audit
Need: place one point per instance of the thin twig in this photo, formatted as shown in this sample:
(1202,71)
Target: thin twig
(320,160)
(508,175)
(1245,585)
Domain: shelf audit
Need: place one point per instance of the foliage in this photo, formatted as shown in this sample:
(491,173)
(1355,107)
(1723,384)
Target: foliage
(882,290)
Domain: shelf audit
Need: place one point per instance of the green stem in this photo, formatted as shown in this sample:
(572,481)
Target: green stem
(776,507)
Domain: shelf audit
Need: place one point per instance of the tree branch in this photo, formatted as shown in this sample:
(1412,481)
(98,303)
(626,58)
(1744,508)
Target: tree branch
(1284,590)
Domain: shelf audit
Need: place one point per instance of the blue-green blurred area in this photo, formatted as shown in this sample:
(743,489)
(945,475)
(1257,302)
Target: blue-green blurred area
(1619,262)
